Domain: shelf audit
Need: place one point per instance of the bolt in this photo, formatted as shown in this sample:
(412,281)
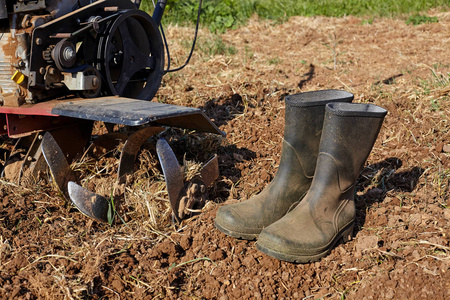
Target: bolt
(68,53)
(42,70)
(26,21)
(40,137)
(95,82)
(51,71)
(29,158)
(38,41)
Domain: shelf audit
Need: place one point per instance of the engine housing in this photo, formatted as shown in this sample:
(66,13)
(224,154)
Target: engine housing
(60,48)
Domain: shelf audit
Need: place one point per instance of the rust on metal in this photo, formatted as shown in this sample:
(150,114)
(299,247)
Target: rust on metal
(9,89)
(34,162)
(194,197)
(195,192)
(185,198)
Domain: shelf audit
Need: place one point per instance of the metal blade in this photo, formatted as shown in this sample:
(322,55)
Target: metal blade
(210,171)
(131,149)
(90,204)
(57,163)
(172,174)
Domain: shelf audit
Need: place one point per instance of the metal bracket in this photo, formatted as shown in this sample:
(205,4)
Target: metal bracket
(80,82)
(185,197)
(23,6)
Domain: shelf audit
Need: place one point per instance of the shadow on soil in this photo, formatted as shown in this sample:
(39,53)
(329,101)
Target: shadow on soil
(378,179)
(226,109)
(308,76)
(223,111)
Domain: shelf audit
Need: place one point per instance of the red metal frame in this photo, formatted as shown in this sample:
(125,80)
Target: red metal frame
(29,118)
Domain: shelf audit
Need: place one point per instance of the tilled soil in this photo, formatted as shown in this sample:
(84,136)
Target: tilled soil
(400,249)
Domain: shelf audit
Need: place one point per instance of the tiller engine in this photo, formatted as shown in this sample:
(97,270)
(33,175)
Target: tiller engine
(67,63)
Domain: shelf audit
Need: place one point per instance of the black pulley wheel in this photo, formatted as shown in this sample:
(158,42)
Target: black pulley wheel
(132,56)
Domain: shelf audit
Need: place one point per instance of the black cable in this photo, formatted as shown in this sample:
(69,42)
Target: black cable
(168,70)
(167,47)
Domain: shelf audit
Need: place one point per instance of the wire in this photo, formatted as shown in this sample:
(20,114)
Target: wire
(168,70)
(167,48)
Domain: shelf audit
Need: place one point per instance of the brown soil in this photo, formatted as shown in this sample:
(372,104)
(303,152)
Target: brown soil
(401,249)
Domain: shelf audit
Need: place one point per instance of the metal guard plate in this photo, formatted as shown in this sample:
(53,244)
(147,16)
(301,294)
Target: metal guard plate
(133,112)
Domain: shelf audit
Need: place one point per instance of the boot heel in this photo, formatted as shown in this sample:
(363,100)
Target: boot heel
(348,234)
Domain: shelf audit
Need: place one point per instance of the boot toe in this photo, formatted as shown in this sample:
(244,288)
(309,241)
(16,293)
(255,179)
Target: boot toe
(285,243)
(232,222)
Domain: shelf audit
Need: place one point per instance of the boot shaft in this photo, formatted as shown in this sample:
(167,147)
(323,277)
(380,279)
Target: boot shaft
(349,133)
(304,118)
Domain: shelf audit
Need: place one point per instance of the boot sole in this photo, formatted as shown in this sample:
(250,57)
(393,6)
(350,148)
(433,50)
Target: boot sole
(238,235)
(345,235)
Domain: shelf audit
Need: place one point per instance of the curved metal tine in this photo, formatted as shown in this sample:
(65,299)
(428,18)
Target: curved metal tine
(131,149)
(172,174)
(59,167)
(90,204)
(210,171)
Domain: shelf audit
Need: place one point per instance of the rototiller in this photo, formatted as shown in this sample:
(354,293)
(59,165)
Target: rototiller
(67,63)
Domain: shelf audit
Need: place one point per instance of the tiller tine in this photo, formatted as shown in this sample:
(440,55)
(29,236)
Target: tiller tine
(57,162)
(185,197)
(172,174)
(131,149)
(89,203)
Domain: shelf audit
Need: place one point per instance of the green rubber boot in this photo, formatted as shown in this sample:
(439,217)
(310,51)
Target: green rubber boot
(302,130)
(327,213)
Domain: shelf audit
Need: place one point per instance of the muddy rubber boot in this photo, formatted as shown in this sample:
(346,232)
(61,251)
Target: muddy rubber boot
(303,126)
(327,213)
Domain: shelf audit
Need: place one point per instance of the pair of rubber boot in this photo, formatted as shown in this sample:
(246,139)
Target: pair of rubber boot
(309,206)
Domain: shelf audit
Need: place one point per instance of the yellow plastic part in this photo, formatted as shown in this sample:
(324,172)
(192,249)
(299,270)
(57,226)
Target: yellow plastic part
(18,77)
